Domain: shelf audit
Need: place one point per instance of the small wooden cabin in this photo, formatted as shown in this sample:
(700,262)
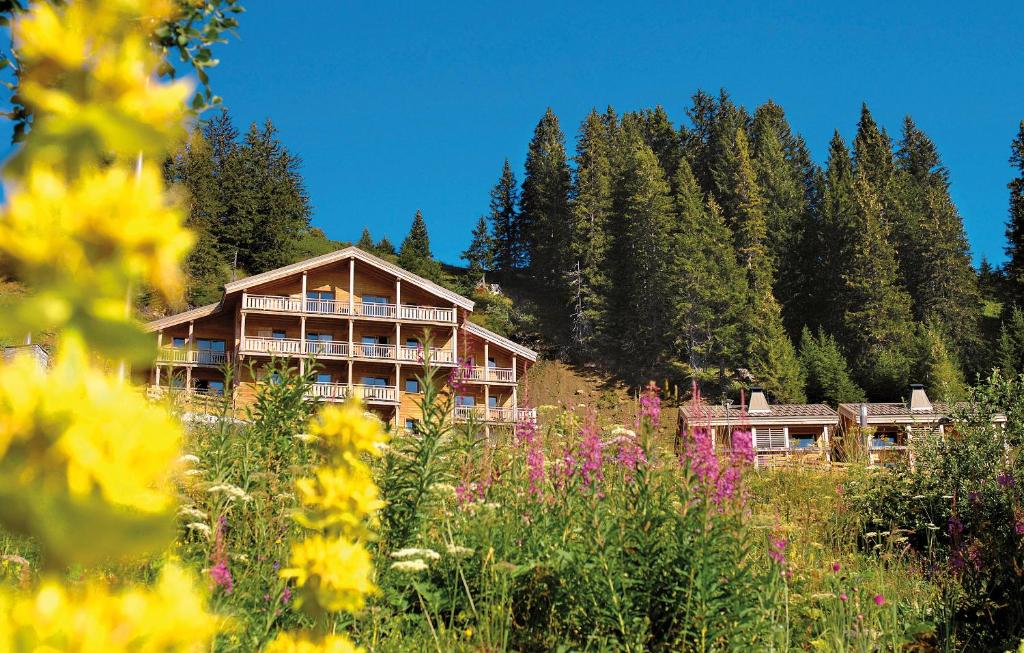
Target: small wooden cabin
(781,432)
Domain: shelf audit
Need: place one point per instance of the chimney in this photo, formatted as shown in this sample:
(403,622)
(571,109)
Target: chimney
(758,402)
(919,402)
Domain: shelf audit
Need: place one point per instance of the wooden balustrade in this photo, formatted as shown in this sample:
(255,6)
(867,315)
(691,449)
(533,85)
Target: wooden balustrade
(405,312)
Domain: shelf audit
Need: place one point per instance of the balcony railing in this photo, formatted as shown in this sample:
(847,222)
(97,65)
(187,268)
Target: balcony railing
(191,356)
(384,394)
(326,348)
(275,346)
(491,374)
(281,304)
(340,349)
(362,350)
(496,414)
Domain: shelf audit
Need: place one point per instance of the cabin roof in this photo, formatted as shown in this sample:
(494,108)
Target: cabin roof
(897,412)
(340,255)
(720,415)
(502,341)
(178,318)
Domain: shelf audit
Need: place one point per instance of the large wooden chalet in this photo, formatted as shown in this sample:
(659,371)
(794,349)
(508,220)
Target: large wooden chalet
(363,320)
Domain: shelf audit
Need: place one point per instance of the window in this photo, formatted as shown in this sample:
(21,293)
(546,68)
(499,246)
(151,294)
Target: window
(210,386)
(178,343)
(491,363)
(275,378)
(323,377)
(374,299)
(370,349)
(320,301)
(492,402)
(217,387)
(278,334)
(412,385)
(321,295)
(377,381)
(465,400)
(316,339)
(206,344)
(410,424)
(801,441)
(375,340)
(412,343)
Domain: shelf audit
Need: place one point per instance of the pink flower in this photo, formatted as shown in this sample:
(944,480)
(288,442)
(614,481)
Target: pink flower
(650,404)
(835,567)
(220,574)
(843,597)
(777,550)
(590,451)
(742,447)
(879,600)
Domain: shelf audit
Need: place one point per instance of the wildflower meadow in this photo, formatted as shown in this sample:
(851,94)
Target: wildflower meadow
(137,524)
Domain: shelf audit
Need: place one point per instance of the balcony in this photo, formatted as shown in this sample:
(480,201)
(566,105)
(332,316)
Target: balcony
(489,375)
(200,357)
(495,415)
(371,394)
(405,312)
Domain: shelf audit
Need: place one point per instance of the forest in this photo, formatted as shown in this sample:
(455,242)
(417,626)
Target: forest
(714,250)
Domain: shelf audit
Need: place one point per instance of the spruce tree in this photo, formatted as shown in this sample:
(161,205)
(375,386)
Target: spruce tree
(663,139)
(642,253)
(873,156)
(480,253)
(1010,346)
(385,249)
(936,366)
(545,205)
(770,355)
(1015,223)
(414,254)
(833,241)
(509,248)
(365,242)
(709,287)
(589,237)
(876,317)
(826,370)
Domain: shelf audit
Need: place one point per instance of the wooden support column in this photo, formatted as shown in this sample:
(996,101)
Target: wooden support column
(515,369)
(515,402)
(455,344)
(487,362)
(350,378)
(159,349)
(156,372)
(826,443)
(351,345)
(351,285)
(302,333)
(398,298)
(191,331)
(302,298)
(487,401)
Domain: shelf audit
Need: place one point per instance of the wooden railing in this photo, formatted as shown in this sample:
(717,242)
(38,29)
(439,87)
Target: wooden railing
(495,374)
(376,393)
(412,313)
(363,350)
(191,356)
(329,391)
(328,348)
(497,414)
(276,346)
(340,349)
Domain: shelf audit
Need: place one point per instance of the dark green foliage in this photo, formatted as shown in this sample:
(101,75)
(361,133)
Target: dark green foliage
(1015,222)
(826,370)
(415,255)
(545,205)
(480,253)
(1010,348)
(385,249)
(365,241)
(509,244)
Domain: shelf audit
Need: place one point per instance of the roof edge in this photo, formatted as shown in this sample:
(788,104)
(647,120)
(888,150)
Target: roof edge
(178,318)
(478,330)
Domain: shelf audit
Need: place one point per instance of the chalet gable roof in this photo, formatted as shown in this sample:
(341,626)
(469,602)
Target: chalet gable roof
(778,414)
(178,318)
(341,255)
(501,341)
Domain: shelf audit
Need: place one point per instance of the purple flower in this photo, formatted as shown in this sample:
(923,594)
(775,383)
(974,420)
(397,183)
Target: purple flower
(1005,479)
(701,456)
(955,527)
(777,549)
(879,600)
(742,446)
(843,596)
(221,576)
(286,595)
(650,404)
(590,451)
(835,567)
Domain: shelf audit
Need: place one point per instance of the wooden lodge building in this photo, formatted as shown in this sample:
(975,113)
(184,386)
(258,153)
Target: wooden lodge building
(779,432)
(363,320)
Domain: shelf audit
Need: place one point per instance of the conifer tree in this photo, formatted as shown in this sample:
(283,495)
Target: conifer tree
(509,247)
(589,237)
(873,156)
(415,255)
(480,253)
(710,289)
(1010,347)
(1015,223)
(826,370)
(641,248)
(936,365)
(833,241)
(877,319)
(365,242)
(770,354)
(663,139)
(385,249)
(545,205)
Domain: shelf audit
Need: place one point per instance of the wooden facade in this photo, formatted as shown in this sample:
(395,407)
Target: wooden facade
(365,323)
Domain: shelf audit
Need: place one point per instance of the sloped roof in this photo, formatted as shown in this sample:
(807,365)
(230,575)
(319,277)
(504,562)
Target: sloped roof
(178,318)
(487,334)
(340,255)
(892,413)
(778,413)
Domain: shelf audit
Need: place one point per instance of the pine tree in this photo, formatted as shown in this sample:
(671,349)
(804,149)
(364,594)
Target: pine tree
(480,253)
(826,370)
(710,289)
(873,156)
(936,365)
(771,357)
(662,138)
(1010,347)
(545,206)
(1015,224)
(416,246)
(365,242)
(877,319)
(589,238)
(509,248)
(385,249)
(642,253)
(833,241)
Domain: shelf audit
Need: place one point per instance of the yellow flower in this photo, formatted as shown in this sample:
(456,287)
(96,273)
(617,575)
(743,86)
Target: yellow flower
(292,643)
(169,616)
(339,498)
(84,460)
(346,429)
(334,573)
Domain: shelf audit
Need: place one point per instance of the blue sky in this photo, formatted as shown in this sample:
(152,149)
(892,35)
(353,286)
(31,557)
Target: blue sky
(395,107)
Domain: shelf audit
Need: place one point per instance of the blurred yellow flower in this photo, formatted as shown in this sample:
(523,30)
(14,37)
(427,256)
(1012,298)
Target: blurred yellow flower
(169,617)
(346,429)
(291,643)
(339,498)
(333,573)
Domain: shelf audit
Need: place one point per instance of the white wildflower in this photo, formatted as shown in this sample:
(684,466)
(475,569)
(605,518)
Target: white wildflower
(456,551)
(189,459)
(200,528)
(232,491)
(443,489)
(492,506)
(305,437)
(193,513)
(409,566)
(193,472)
(429,554)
